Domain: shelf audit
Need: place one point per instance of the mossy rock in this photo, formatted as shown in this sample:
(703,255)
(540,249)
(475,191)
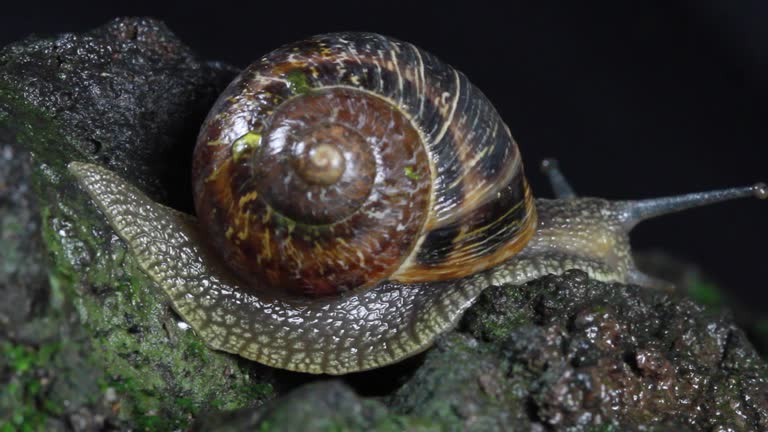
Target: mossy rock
(100,346)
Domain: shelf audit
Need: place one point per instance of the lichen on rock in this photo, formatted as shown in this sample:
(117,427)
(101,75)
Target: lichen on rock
(88,342)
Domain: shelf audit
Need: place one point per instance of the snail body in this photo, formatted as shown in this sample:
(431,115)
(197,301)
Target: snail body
(354,195)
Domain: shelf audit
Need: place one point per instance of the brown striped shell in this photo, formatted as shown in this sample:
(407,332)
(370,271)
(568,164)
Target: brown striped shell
(337,162)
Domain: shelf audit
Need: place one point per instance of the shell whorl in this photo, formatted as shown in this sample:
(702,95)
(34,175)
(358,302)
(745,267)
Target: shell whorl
(346,159)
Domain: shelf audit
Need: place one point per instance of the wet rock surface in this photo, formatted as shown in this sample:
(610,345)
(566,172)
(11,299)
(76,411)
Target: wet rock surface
(624,355)
(88,343)
(123,95)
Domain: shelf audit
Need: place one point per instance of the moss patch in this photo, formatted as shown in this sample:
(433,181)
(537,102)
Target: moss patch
(23,403)
(297,81)
(706,293)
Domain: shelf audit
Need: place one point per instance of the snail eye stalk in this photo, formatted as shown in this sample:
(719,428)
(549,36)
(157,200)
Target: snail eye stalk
(560,185)
(640,210)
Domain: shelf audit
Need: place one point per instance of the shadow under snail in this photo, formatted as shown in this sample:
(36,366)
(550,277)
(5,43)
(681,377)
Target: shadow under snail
(354,195)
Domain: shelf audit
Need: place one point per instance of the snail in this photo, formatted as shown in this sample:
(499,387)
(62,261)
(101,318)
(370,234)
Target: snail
(354,195)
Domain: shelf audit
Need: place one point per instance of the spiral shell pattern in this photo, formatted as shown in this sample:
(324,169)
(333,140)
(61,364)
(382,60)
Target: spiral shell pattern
(347,159)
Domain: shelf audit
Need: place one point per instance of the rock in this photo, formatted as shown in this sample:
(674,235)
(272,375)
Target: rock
(87,342)
(320,406)
(23,282)
(129,95)
(590,354)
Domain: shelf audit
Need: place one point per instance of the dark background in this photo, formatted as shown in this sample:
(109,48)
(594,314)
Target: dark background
(636,99)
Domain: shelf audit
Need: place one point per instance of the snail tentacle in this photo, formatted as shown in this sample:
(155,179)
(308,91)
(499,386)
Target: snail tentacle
(636,211)
(558,182)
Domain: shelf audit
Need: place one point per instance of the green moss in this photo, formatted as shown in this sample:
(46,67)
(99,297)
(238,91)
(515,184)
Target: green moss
(196,348)
(297,82)
(22,358)
(27,400)
(706,294)
(497,314)
(411,173)
(19,410)
(499,329)
(162,385)
(163,375)
(36,131)
(245,145)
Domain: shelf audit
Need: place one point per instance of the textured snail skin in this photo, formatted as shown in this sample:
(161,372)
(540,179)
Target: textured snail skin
(351,333)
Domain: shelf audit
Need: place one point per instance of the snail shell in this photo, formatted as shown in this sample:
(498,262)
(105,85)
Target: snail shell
(337,162)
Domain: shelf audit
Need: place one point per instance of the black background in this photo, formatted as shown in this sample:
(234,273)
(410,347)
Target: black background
(636,99)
